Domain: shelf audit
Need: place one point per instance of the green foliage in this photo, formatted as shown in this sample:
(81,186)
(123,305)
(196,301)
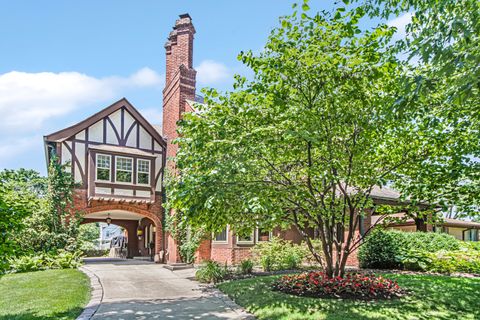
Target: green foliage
(54,225)
(211,272)
(45,261)
(20,197)
(279,254)
(187,236)
(388,249)
(245,266)
(442,261)
(442,42)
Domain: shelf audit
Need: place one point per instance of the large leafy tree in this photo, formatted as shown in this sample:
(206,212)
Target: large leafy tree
(442,46)
(306,141)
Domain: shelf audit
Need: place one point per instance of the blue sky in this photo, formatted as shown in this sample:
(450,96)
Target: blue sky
(61,61)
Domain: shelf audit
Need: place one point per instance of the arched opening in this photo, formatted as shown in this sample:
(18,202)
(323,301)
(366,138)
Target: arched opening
(140,231)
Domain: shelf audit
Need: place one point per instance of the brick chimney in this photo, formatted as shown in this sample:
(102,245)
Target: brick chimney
(180,78)
(179,87)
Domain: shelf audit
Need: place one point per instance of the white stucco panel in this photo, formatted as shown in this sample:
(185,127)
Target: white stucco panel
(143,194)
(95,132)
(123,192)
(111,136)
(158,168)
(99,190)
(145,139)
(80,135)
(66,155)
(80,154)
(116,118)
(128,120)
(132,138)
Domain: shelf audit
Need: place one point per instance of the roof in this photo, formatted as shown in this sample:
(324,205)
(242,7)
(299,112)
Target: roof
(66,133)
(104,147)
(446,222)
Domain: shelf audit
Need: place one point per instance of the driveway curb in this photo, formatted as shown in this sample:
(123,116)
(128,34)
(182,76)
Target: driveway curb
(96,297)
(230,303)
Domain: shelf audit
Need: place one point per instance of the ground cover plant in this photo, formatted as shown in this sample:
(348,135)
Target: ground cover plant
(429,297)
(51,294)
(352,285)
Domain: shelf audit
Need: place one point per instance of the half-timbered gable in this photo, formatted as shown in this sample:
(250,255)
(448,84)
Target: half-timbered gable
(114,154)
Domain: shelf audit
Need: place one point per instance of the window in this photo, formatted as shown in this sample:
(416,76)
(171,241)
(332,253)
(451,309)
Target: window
(123,171)
(263,235)
(143,171)
(104,164)
(471,235)
(222,236)
(245,239)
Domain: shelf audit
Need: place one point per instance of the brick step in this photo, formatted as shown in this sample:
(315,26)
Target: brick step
(178,266)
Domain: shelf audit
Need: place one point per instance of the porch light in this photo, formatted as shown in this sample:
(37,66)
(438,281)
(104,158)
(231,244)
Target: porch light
(109,220)
(154,229)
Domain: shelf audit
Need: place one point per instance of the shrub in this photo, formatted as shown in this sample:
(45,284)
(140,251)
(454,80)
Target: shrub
(384,249)
(45,261)
(211,271)
(278,254)
(246,266)
(352,285)
(463,260)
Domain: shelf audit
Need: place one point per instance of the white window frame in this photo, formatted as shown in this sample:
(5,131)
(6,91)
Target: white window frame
(149,171)
(96,167)
(227,231)
(131,177)
(257,236)
(247,242)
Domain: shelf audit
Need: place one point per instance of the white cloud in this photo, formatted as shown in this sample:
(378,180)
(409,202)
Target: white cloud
(400,23)
(27,100)
(154,115)
(211,72)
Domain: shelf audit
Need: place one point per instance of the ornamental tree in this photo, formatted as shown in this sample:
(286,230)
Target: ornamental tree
(306,140)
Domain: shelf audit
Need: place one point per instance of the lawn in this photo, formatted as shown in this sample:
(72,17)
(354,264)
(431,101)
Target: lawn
(51,294)
(431,297)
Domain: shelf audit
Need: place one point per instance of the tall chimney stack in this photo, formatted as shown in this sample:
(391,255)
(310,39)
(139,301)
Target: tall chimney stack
(180,77)
(179,87)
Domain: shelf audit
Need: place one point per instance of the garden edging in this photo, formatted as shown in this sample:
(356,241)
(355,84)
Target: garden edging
(95,298)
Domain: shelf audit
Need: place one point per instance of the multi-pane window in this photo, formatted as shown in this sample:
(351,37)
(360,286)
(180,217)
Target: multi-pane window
(123,169)
(245,239)
(143,171)
(222,236)
(104,166)
(263,235)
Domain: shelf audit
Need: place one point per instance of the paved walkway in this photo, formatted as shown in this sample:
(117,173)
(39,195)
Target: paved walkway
(144,290)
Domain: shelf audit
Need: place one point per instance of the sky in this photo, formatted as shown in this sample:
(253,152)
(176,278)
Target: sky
(62,61)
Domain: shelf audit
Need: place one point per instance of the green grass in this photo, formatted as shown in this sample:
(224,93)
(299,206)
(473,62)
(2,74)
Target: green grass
(51,294)
(432,297)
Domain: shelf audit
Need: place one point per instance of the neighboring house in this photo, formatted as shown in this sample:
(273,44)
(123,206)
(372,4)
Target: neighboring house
(460,229)
(118,158)
(107,232)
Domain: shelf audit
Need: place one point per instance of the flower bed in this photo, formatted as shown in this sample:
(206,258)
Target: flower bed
(352,285)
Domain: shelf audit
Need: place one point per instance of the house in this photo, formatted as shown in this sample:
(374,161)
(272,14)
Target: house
(460,229)
(118,158)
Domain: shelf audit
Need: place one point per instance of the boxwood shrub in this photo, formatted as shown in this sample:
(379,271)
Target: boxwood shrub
(384,249)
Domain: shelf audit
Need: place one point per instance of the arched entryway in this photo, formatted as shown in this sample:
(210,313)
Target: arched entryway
(143,230)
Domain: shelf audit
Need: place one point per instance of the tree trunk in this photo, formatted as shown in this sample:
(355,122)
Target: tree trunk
(421,224)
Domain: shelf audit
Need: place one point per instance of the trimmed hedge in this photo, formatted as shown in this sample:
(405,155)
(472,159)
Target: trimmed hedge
(384,249)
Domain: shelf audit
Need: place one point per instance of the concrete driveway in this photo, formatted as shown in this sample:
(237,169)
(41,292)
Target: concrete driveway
(143,290)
